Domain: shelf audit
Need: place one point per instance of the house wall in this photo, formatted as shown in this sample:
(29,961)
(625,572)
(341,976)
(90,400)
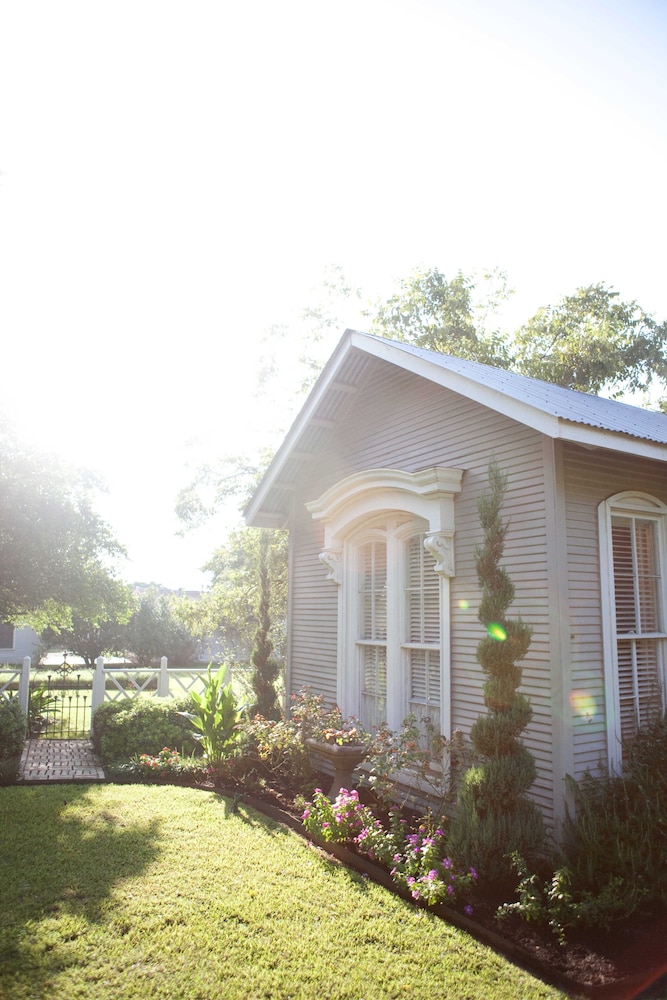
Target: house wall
(591,476)
(26,643)
(398,420)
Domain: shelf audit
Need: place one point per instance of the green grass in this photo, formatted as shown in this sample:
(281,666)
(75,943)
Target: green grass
(113,892)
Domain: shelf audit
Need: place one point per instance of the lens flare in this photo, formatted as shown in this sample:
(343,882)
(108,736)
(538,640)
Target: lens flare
(496,631)
(463,604)
(583,705)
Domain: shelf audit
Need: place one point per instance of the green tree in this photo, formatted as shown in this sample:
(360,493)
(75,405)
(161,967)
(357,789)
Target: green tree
(265,668)
(234,603)
(494,814)
(54,548)
(592,340)
(97,631)
(155,630)
(428,310)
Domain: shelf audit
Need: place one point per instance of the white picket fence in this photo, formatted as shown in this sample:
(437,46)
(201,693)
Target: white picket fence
(111,682)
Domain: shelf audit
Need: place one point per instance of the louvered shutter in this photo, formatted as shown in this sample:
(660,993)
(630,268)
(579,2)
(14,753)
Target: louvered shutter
(636,598)
(423,631)
(373,621)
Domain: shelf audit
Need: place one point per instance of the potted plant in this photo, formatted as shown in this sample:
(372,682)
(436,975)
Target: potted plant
(343,745)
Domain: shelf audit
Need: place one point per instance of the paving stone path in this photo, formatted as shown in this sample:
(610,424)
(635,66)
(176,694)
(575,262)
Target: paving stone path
(59,760)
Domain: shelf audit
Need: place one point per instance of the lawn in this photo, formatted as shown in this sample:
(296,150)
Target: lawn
(131,891)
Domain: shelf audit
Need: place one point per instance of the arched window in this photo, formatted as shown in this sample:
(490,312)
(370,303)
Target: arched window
(633,557)
(389,547)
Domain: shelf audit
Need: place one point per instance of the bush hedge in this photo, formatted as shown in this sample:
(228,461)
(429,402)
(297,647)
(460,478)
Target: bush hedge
(13,725)
(13,729)
(139,725)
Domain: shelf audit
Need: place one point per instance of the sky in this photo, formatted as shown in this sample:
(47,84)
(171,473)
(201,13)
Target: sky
(176,177)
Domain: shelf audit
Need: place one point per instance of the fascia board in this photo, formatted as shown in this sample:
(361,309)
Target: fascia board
(277,464)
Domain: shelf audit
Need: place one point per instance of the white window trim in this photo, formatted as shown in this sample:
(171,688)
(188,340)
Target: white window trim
(348,511)
(626,503)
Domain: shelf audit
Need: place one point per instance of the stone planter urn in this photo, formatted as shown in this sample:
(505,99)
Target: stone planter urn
(343,757)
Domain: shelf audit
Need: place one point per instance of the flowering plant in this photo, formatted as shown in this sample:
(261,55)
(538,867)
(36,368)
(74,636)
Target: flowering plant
(418,861)
(424,869)
(332,728)
(168,763)
(346,735)
(337,822)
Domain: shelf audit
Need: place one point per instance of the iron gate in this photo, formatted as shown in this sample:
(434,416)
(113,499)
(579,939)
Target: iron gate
(60,706)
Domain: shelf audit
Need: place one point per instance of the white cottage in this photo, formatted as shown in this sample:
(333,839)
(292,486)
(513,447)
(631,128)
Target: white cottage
(378,482)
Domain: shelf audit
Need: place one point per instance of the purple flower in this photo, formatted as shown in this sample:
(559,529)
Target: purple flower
(450,890)
(467,909)
(432,875)
(446,863)
(473,873)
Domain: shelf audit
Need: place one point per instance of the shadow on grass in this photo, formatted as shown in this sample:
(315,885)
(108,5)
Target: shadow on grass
(57,866)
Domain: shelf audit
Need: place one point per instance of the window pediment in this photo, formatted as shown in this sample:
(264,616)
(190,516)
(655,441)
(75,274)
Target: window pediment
(428,494)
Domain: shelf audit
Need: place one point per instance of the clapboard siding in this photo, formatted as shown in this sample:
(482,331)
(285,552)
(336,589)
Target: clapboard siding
(313,619)
(397,420)
(590,478)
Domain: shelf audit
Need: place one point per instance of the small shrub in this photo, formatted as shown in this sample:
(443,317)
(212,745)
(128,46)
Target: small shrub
(405,759)
(556,903)
(619,826)
(167,764)
(12,728)
(145,724)
(276,753)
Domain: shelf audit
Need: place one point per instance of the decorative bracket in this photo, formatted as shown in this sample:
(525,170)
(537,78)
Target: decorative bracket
(440,544)
(330,558)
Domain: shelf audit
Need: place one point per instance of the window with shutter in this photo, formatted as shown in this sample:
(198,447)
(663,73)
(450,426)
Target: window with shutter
(6,636)
(636,600)
(389,548)
(632,537)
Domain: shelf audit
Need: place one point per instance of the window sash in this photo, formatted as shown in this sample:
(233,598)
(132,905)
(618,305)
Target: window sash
(639,638)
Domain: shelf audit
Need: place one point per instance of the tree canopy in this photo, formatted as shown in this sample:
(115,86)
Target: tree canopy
(56,552)
(591,340)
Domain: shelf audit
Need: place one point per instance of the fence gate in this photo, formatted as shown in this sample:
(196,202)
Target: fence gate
(60,706)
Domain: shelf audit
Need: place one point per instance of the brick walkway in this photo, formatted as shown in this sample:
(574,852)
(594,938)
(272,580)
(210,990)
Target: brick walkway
(59,760)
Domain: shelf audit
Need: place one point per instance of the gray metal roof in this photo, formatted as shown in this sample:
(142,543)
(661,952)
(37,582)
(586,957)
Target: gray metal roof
(550,409)
(565,404)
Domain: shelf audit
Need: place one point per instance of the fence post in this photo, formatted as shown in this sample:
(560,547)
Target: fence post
(163,679)
(98,685)
(24,685)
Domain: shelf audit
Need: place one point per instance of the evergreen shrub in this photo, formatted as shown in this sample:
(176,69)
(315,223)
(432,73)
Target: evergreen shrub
(141,725)
(13,728)
(494,814)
